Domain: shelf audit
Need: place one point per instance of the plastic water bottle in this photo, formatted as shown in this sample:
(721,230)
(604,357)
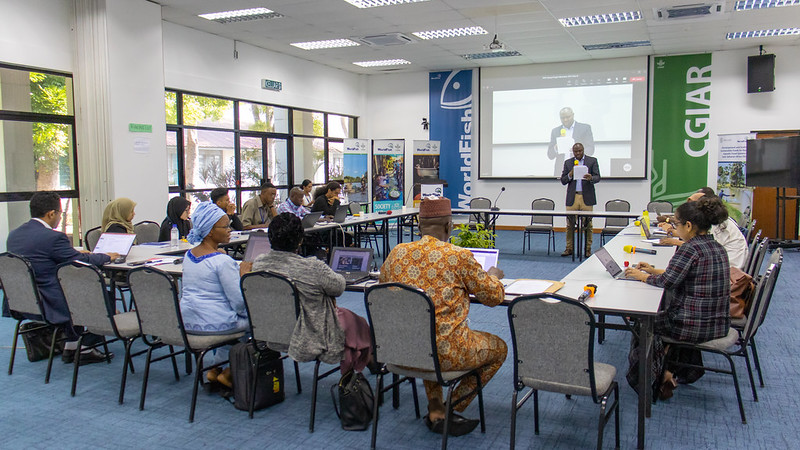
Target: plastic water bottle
(174,236)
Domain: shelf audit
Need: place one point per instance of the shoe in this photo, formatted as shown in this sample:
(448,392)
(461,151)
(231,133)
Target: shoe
(665,392)
(91,357)
(459,425)
(567,252)
(588,254)
(212,375)
(225,378)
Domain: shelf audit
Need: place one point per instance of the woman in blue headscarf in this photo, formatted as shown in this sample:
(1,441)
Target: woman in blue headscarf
(211,299)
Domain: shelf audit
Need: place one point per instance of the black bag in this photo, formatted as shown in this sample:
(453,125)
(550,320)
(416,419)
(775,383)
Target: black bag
(37,342)
(269,375)
(356,401)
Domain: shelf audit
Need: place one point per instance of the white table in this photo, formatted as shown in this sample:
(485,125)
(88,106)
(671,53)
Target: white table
(367,218)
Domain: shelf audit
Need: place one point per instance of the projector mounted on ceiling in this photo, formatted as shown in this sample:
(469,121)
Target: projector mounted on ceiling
(495,45)
(693,11)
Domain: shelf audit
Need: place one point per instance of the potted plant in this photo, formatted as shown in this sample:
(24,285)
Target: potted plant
(480,237)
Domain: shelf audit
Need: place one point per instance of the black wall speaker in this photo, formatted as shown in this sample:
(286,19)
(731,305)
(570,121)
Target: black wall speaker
(760,73)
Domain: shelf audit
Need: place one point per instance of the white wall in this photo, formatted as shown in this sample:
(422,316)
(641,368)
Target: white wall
(37,33)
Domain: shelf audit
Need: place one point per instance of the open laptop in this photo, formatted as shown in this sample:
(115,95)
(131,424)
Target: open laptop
(653,237)
(257,245)
(341,213)
(310,219)
(115,243)
(486,257)
(352,263)
(611,266)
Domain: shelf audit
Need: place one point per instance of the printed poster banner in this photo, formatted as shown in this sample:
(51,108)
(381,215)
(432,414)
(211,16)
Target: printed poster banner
(426,166)
(387,174)
(355,170)
(450,107)
(731,176)
(681,123)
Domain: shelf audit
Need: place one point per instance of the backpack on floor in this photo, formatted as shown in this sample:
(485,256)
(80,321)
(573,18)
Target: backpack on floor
(269,375)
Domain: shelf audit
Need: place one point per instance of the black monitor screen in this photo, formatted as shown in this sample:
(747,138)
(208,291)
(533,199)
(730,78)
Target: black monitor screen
(773,162)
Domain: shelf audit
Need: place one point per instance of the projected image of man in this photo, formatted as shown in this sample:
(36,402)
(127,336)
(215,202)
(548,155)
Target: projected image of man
(580,175)
(564,136)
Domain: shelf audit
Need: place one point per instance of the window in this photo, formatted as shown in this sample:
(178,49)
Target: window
(219,142)
(37,144)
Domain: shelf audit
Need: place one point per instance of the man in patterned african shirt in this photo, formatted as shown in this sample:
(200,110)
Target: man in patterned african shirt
(449,275)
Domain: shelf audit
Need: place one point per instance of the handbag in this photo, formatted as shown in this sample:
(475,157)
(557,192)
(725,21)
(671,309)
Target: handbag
(355,401)
(37,336)
(742,288)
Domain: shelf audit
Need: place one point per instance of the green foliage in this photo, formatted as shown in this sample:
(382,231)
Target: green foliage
(171,104)
(263,117)
(478,238)
(51,141)
(197,108)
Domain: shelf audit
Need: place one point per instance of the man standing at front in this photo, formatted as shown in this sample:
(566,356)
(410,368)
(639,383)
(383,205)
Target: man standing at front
(449,275)
(568,133)
(580,194)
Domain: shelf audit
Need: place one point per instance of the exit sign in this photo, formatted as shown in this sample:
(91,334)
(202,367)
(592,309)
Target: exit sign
(272,85)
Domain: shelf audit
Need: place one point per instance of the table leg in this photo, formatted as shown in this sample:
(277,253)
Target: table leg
(386,237)
(645,360)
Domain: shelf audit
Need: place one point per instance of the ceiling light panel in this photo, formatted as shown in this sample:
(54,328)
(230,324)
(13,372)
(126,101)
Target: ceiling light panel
(759,4)
(615,45)
(763,33)
(320,45)
(382,63)
(600,19)
(487,55)
(376,3)
(241,15)
(452,32)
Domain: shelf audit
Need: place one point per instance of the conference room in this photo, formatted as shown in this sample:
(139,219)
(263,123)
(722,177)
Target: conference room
(158,102)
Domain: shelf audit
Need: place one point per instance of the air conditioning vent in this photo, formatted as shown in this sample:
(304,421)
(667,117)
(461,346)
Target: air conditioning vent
(384,40)
(693,11)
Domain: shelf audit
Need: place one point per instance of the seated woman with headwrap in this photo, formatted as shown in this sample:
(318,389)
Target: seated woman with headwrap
(334,335)
(178,215)
(211,300)
(118,216)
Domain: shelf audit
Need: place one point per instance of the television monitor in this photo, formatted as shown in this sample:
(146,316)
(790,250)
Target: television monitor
(773,162)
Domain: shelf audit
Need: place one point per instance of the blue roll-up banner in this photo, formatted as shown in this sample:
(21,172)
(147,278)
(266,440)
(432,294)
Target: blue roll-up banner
(355,170)
(451,124)
(388,174)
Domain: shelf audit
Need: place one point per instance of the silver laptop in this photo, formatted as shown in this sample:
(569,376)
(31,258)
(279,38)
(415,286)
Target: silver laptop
(115,243)
(653,235)
(611,266)
(486,257)
(352,263)
(310,219)
(257,245)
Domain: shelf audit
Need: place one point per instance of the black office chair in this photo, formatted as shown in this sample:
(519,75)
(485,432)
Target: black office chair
(615,224)
(540,224)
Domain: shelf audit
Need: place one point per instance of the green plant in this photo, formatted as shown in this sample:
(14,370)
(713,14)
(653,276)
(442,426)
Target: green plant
(480,237)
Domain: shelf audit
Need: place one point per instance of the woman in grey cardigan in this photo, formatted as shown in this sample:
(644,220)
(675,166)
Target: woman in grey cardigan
(334,335)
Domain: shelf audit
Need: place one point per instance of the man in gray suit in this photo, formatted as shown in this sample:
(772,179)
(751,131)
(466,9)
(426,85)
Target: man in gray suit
(580,194)
(579,132)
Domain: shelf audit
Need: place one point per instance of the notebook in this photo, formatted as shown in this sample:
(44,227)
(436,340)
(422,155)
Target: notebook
(115,243)
(352,263)
(257,245)
(486,257)
(310,219)
(611,266)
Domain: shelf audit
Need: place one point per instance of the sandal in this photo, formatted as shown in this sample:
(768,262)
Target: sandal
(225,379)
(665,392)
(213,375)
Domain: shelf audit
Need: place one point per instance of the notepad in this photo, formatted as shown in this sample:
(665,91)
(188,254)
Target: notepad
(526,287)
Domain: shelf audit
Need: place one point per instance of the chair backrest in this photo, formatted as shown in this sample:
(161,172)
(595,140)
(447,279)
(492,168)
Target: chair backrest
(761,297)
(273,304)
(542,204)
(617,205)
(775,262)
(660,207)
(752,247)
(19,284)
(410,342)
(155,295)
(750,230)
(478,203)
(758,257)
(553,341)
(146,231)
(355,208)
(87,297)
(92,236)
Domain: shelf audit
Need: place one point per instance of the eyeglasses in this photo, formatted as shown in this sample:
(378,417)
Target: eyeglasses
(223,227)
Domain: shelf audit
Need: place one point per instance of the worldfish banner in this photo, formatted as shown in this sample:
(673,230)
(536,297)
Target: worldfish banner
(355,170)
(387,174)
(681,122)
(450,106)
(426,166)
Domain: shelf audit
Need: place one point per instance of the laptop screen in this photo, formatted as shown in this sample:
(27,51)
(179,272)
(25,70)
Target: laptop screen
(486,257)
(114,243)
(257,245)
(351,259)
(608,262)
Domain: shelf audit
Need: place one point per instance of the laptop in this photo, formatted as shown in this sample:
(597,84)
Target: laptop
(611,266)
(341,213)
(486,257)
(257,245)
(352,263)
(310,219)
(115,243)
(654,236)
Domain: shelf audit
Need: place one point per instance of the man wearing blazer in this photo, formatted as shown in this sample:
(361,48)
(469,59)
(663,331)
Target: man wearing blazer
(46,248)
(580,195)
(579,132)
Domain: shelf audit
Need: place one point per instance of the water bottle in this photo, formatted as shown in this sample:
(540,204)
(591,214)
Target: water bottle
(174,236)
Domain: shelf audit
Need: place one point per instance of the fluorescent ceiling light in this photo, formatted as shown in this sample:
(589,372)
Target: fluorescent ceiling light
(600,18)
(452,32)
(613,45)
(763,33)
(319,45)
(241,15)
(744,5)
(374,3)
(385,62)
(487,55)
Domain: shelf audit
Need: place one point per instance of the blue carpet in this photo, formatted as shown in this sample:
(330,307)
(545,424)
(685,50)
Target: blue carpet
(703,415)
